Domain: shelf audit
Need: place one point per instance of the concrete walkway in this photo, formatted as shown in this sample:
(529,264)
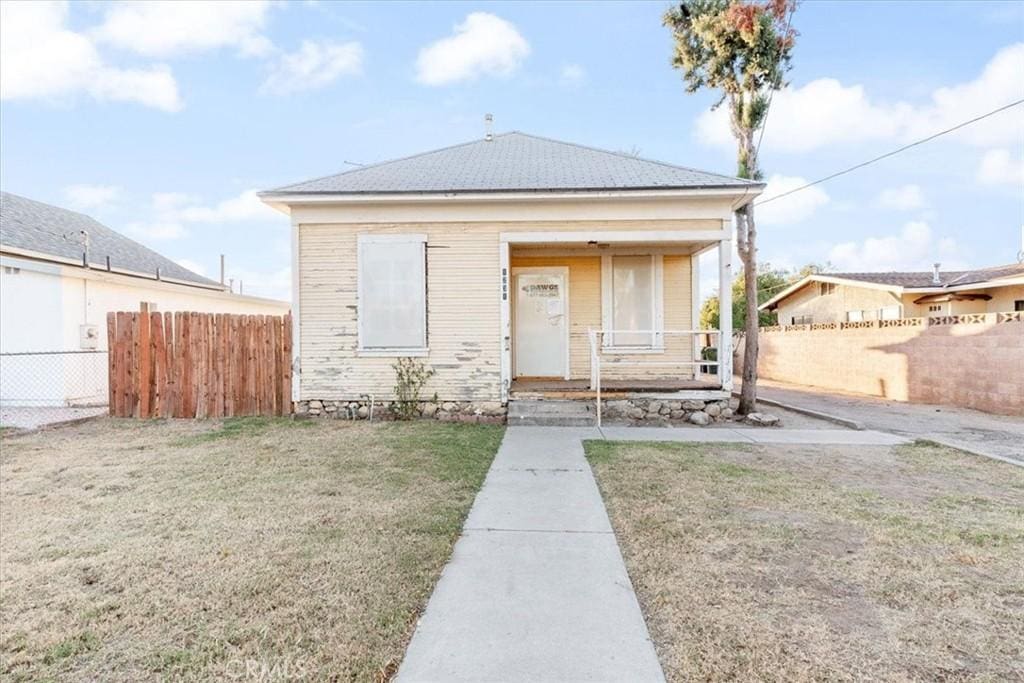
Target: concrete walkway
(536,588)
(995,436)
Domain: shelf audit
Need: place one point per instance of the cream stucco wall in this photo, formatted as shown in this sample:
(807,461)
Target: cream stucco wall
(833,307)
(43,305)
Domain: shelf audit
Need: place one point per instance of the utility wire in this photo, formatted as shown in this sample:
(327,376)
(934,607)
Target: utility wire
(892,153)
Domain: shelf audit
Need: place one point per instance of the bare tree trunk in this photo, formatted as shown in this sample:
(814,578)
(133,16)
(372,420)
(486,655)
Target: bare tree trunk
(748,391)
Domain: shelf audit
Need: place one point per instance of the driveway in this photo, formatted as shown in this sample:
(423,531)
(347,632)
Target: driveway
(996,436)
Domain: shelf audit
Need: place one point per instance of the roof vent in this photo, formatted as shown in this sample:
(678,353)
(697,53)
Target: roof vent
(936,280)
(488,121)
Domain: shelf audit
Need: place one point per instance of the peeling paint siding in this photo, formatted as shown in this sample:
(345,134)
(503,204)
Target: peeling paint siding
(463,283)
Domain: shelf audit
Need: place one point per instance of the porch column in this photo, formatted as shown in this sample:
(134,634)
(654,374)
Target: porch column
(725,313)
(506,319)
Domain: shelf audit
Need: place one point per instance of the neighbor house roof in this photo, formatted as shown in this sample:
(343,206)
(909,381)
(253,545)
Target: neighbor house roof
(515,162)
(916,281)
(50,231)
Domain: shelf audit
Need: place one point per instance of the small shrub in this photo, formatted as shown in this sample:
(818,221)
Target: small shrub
(411,375)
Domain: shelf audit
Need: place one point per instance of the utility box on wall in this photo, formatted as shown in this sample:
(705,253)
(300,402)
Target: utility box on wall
(88,337)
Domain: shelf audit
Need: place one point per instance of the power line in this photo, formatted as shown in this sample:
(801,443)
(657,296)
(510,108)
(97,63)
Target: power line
(892,153)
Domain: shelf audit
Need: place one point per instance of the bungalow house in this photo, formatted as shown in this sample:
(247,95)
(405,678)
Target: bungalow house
(852,297)
(62,272)
(510,265)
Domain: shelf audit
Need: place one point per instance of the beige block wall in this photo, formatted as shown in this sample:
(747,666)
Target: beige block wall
(978,365)
(464,322)
(585,314)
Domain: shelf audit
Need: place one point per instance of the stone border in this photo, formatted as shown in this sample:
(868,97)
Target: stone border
(694,411)
(446,411)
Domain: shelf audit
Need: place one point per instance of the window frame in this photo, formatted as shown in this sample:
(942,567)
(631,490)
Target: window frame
(657,344)
(397,351)
(1018,305)
(826,288)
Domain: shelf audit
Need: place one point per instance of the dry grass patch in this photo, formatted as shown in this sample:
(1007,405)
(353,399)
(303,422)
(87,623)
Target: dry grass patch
(822,562)
(247,548)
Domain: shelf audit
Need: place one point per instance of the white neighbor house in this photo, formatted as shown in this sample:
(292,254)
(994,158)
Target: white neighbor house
(55,295)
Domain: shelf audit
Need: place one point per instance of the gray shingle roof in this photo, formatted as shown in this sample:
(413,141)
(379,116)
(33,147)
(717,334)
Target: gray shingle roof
(513,162)
(949,278)
(31,225)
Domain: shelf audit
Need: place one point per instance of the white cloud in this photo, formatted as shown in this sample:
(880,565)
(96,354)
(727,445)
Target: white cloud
(245,207)
(998,167)
(902,198)
(91,196)
(793,208)
(825,112)
(166,28)
(572,74)
(196,268)
(484,44)
(914,248)
(314,65)
(40,58)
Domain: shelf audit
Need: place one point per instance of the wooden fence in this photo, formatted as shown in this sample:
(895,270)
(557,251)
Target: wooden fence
(199,364)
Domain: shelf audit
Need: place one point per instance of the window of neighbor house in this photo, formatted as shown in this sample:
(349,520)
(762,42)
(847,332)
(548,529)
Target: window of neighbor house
(632,295)
(854,316)
(935,308)
(1018,305)
(801,320)
(825,288)
(392,291)
(889,313)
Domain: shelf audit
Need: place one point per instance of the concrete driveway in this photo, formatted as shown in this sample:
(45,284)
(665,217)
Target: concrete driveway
(996,436)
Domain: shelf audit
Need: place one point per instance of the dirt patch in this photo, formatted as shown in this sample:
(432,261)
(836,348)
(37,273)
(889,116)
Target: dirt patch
(251,548)
(822,562)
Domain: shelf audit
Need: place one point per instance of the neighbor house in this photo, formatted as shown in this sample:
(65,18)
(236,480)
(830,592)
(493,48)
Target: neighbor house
(62,272)
(853,297)
(508,264)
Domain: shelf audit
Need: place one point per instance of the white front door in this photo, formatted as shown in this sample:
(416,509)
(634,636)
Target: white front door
(541,319)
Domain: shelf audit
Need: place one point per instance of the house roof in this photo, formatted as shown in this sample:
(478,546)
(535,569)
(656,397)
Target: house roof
(515,162)
(917,281)
(949,278)
(55,232)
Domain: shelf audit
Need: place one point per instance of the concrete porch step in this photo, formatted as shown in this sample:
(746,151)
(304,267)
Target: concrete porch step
(543,413)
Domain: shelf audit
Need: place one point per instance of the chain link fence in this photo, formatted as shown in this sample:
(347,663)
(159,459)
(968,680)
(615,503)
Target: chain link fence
(45,387)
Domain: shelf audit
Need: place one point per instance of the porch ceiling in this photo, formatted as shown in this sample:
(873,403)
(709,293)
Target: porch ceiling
(596,248)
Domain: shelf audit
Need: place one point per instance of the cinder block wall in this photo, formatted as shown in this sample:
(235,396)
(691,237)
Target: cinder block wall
(972,361)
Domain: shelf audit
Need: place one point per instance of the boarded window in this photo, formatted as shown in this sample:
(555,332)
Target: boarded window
(392,292)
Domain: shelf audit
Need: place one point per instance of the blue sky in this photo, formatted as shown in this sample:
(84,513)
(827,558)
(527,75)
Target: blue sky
(161,120)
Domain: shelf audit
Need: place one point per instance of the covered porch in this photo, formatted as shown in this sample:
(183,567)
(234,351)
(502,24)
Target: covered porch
(612,314)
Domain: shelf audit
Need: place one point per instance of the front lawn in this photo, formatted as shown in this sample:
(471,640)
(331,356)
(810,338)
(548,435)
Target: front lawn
(821,562)
(259,549)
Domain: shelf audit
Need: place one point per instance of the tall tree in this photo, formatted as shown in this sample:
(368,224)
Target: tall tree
(742,49)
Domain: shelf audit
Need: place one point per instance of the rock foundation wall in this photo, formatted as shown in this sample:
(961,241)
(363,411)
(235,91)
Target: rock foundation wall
(447,411)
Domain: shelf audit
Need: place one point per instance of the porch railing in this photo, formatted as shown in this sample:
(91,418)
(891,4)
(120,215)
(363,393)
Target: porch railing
(657,355)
